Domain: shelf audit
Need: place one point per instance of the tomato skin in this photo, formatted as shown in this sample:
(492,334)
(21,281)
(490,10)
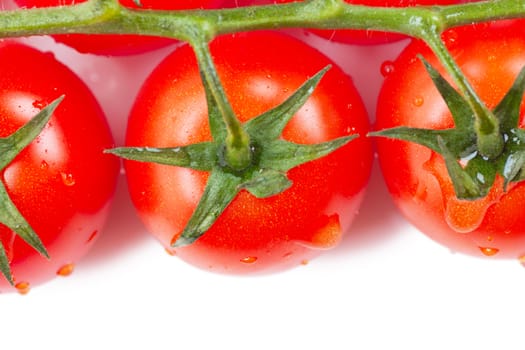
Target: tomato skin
(119,45)
(365,37)
(491,57)
(62,182)
(252,235)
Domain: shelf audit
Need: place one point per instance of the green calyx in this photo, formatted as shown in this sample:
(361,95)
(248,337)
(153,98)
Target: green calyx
(10,147)
(474,152)
(264,176)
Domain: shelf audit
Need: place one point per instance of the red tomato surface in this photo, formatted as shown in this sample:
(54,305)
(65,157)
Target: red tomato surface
(362,37)
(120,44)
(62,182)
(252,234)
(491,57)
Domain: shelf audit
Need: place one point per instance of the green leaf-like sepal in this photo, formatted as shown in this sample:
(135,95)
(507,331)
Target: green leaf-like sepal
(270,125)
(199,156)
(221,189)
(10,147)
(266,183)
(5,269)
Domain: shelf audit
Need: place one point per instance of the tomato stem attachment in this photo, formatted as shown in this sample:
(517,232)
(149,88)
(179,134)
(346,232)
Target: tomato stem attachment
(226,127)
(489,138)
(265,176)
(474,179)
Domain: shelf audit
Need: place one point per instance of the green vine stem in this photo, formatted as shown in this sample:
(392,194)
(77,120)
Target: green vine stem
(108,16)
(198,27)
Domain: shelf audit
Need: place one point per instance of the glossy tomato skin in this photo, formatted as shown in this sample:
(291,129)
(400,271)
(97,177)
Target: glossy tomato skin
(62,182)
(491,57)
(252,235)
(119,45)
(365,37)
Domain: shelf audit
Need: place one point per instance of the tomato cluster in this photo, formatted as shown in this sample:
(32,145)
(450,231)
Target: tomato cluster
(62,183)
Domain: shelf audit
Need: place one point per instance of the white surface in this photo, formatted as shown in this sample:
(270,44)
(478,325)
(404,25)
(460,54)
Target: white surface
(385,287)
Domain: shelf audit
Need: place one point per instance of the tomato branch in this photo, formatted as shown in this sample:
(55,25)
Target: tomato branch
(108,16)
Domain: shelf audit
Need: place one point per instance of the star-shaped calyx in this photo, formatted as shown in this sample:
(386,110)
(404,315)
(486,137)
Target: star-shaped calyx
(472,171)
(10,147)
(270,156)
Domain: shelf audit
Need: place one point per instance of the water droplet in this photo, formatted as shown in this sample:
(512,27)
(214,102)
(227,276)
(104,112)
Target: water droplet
(490,238)
(23,287)
(387,68)
(329,235)
(521,260)
(487,251)
(249,260)
(450,37)
(418,101)
(92,236)
(49,54)
(287,255)
(40,104)
(170,251)
(305,262)
(44,165)
(462,216)
(68,179)
(65,270)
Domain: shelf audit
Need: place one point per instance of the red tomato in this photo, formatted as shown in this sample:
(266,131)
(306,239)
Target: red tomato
(252,234)
(120,44)
(351,36)
(62,183)
(491,57)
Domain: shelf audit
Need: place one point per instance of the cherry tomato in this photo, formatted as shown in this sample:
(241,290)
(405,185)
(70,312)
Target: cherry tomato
(252,234)
(363,37)
(61,183)
(491,57)
(120,44)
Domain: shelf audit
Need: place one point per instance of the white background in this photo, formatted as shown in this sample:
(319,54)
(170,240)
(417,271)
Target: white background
(386,286)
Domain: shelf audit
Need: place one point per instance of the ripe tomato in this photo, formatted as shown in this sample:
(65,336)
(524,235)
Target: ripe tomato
(362,37)
(62,183)
(491,56)
(120,44)
(252,234)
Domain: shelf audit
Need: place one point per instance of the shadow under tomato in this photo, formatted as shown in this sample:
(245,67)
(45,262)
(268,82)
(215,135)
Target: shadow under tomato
(377,215)
(122,232)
